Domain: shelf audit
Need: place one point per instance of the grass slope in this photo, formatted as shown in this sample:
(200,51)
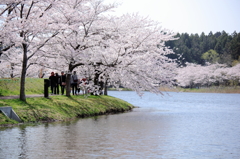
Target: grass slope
(10,86)
(55,108)
(62,108)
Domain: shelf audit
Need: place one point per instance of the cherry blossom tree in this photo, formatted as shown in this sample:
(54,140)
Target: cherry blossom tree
(65,35)
(234,74)
(128,49)
(9,70)
(26,26)
(194,75)
(132,52)
(72,46)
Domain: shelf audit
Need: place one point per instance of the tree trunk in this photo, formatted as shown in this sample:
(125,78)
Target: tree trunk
(105,87)
(23,75)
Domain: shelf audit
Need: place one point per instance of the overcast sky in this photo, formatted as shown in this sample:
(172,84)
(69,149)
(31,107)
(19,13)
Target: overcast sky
(190,16)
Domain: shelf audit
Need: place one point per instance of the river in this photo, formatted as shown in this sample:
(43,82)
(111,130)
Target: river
(173,126)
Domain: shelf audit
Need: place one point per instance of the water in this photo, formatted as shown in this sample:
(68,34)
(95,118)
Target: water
(173,126)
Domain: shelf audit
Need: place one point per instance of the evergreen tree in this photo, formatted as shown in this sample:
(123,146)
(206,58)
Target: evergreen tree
(235,46)
(192,47)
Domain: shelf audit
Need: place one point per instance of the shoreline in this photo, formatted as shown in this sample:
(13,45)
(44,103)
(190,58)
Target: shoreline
(234,90)
(61,108)
(53,121)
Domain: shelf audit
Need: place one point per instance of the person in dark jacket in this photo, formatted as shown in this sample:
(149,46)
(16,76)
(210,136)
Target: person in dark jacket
(52,79)
(62,82)
(57,82)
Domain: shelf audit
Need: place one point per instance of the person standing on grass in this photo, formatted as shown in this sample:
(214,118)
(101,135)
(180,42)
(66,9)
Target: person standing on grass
(84,85)
(74,82)
(57,82)
(62,82)
(52,79)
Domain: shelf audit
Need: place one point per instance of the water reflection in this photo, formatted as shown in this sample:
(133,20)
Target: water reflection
(174,126)
(122,135)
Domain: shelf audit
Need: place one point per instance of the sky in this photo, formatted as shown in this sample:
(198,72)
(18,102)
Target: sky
(187,16)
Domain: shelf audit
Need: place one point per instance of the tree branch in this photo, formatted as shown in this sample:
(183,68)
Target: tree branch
(42,45)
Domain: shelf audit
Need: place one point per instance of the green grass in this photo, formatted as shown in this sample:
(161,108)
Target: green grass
(57,107)
(12,86)
(62,108)
(5,121)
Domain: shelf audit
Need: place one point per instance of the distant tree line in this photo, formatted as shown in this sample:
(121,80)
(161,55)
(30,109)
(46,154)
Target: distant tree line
(212,48)
(196,76)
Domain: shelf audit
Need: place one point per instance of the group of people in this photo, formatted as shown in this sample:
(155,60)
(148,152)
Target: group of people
(56,81)
(60,80)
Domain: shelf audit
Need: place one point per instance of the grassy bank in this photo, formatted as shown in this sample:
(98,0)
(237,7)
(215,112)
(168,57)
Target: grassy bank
(56,108)
(10,86)
(62,108)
